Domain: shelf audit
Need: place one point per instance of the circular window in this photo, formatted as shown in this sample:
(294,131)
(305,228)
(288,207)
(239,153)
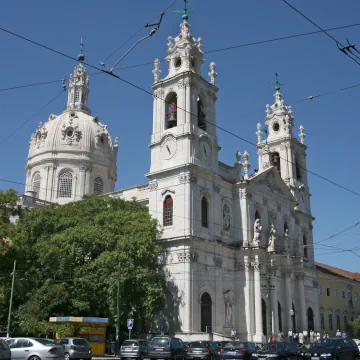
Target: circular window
(177,62)
(276,126)
(70,133)
(72,114)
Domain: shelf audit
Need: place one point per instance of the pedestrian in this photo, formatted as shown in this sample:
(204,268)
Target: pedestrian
(295,336)
(325,335)
(343,335)
(272,338)
(338,333)
(305,333)
(312,337)
(318,336)
(290,334)
(301,338)
(282,335)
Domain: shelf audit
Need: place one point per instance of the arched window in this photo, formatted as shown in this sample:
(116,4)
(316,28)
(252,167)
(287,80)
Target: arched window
(171,111)
(280,316)
(168,211)
(201,114)
(65,185)
(305,245)
(322,321)
(310,319)
(206,308)
(77,95)
(35,184)
(204,212)
(275,161)
(98,185)
(297,169)
(330,321)
(264,318)
(338,324)
(257,215)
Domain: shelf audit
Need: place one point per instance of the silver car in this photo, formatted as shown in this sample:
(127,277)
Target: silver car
(76,348)
(35,349)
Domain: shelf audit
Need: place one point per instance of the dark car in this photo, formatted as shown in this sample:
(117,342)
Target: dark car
(76,348)
(238,350)
(277,350)
(135,349)
(5,353)
(202,350)
(164,347)
(336,349)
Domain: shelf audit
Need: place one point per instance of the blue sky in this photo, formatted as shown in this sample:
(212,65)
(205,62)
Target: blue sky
(307,66)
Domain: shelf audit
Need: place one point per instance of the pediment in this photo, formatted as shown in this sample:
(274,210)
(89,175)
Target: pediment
(270,180)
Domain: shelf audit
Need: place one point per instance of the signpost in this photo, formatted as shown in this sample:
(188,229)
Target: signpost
(130,325)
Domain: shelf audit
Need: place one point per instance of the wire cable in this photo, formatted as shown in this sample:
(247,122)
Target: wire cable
(179,108)
(163,60)
(30,118)
(322,30)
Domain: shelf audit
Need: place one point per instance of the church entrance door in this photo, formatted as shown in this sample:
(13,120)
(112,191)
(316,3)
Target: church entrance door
(310,318)
(206,308)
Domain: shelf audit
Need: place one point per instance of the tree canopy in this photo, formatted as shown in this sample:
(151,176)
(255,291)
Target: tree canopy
(70,258)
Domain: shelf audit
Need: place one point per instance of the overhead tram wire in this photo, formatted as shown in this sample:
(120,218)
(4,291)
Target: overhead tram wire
(30,118)
(179,108)
(325,32)
(137,32)
(206,52)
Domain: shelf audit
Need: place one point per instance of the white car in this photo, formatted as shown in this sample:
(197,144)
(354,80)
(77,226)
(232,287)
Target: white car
(357,341)
(35,349)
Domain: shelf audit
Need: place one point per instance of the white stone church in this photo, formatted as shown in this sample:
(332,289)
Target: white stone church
(238,244)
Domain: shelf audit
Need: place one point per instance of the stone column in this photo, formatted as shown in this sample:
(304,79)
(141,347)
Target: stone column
(274,302)
(288,296)
(301,295)
(188,101)
(81,187)
(248,303)
(258,307)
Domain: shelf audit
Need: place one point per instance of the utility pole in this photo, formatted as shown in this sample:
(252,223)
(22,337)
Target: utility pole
(118,316)
(11,299)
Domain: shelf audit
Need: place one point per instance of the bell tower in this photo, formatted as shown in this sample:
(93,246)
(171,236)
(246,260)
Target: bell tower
(282,150)
(184,107)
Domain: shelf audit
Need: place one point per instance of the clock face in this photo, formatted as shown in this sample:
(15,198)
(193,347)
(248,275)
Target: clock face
(205,150)
(168,148)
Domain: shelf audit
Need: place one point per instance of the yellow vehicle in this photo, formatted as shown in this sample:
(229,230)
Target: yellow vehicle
(92,329)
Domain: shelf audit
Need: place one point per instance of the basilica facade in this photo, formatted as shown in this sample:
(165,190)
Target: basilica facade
(238,244)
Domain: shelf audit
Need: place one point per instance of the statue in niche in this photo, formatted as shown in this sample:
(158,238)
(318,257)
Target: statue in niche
(257,233)
(272,237)
(226,217)
(229,299)
(228,314)
(286,241)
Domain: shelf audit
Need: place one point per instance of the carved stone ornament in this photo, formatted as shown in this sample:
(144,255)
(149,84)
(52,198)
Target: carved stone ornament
(40,136)
(272,238)
(229,300)
(153,185)
(244,194)
(187,178)
(70,133)
(156,70)
(187,256)
(247,265)
(257,234)
(181,84)
(218,261)
(159,93)
(256,265)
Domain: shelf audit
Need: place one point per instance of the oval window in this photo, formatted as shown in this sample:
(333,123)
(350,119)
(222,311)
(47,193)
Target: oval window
(276,126)
(177,62)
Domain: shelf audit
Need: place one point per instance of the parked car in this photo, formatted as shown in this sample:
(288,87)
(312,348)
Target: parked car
(202,350)
(76,348)
(35,349)
(357,342)
(221,344)
(333,348)
(238,350)
(5,352)
(278,350)
(137,349)
(164,347)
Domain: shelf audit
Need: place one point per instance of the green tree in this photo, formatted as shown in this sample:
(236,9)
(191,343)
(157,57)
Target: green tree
(74,254)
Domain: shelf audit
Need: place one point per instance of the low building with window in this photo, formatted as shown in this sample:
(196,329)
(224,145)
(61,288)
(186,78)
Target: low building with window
(338,297)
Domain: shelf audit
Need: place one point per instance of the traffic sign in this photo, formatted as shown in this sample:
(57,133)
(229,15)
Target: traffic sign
(130,323)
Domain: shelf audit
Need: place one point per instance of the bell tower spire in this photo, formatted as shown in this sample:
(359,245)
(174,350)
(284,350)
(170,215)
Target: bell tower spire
(79,89)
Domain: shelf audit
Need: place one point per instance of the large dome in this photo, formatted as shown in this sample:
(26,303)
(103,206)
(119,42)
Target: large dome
(71,154)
